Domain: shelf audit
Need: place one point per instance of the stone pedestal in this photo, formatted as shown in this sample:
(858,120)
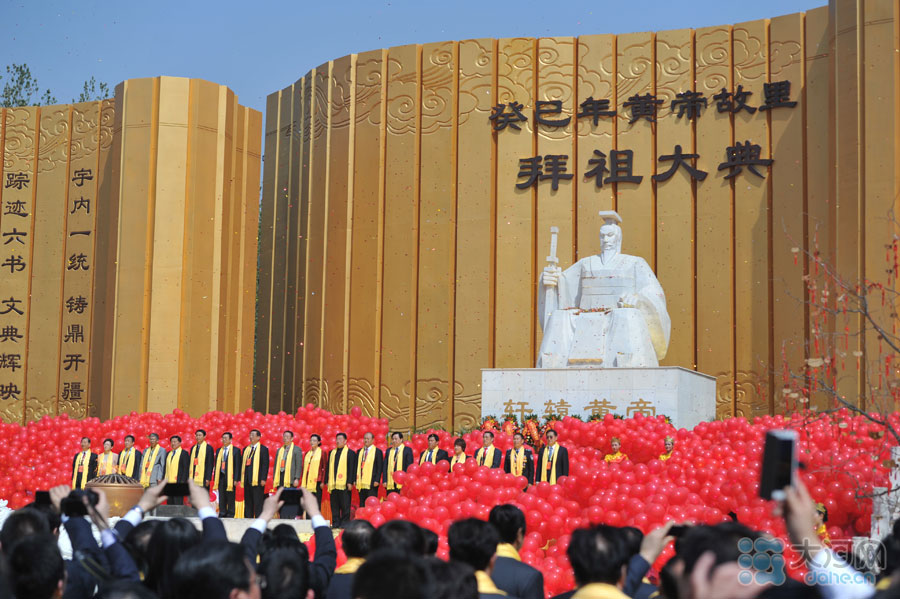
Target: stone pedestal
(685,396)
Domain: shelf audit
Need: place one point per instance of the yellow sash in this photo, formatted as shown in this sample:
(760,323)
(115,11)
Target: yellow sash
(364,467)
(172,473)
(665,456)
(507,550)
(126,464)
(106,464)
(543,465)
(311,464)
(517,456)
(230,469)
(457,460)
(486,585)
(84,461)
(337,480)
(434,454)
(392,467)
(254,478)
(488,457)
(599,590)
(615,457)
(147,465)
(198,463)
(350,566)
(288,462)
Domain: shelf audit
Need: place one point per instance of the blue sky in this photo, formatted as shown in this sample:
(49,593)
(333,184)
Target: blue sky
(257,48)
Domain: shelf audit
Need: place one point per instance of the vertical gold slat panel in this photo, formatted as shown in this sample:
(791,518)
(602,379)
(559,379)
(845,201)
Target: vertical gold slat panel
(786,178)
(290,148)
(312,390)
(401,182)
(302,159)
(751,231)
(635,201)
(819,99)
(516,272)
(675,196)
(75,335)
(555,82)
(136,232)
(253,128)
(48,264)
(438,185)
(280,252)
(202,210)
(339,158)
(473,319)
(173,244)
(231,248)
(19,152)
(848,202)
(367,197)
(879,178)
(103,291)
(715,294)
(261,381)
(596,77)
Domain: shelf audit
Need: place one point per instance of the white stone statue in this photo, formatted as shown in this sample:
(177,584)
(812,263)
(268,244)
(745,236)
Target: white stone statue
(604,311)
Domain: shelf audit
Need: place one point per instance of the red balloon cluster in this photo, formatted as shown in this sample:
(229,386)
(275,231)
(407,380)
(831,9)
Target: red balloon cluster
(713,471)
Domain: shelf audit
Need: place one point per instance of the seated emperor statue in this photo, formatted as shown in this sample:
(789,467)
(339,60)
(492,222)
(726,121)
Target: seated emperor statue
(604,311)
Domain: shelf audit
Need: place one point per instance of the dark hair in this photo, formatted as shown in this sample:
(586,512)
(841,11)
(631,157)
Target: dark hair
(317,436)
(398,433)
(86,438)
(230,436)
(552,430)
(175,437)
(36,566)
(451,580)
(368,433)
(130,437)
(211,570)
(170,539)
(434,436)
(125,589)
(344,435)
(282,536)
(20,524)
(200,430)
(291,433)
(392,574)
(633,538)
(154,435)
(508,520)
(110,441)
(137,543)
(432,540)
(722,539)
(597,554)
(255,430)
(473,541)
(357,538)
(399,535)
(519,434)
(488,433)
(286,574)
(461,443)
(54,521)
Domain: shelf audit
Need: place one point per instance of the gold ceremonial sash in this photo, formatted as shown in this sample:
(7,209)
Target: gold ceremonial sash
(311,464)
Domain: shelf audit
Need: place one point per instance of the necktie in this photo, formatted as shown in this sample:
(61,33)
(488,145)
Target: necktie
(225,459)
(428,458)
(483,455)
(550,458)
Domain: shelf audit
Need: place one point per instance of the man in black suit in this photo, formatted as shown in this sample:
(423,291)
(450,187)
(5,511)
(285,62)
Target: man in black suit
(130,459)
(369,466)
(177,466)
(256,471)
(227,475)
(510,574)
(202,458)
(488,455)
(519,460)
(398,457)
(474,542)
(433,454)
(84,465)
(341,474)
(553,460)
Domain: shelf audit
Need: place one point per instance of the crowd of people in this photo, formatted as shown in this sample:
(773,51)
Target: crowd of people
(171,559)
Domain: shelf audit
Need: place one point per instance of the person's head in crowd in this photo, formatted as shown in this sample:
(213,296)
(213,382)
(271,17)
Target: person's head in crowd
(286,573)
(37,570)
(200,435)
(890,558)
(633,537)
(169,541)
(357,538)
(722,539)
(137,542)
(255,436)
(518,440)
(432,540)
(154,439)
(314,441)
(108,445)
(459,446)
(215,570)
(174,442)
(552,436)
(226,439)
(20,524)
(452,580)
(5,582)
(396,438)
(598,555)
(125,589)
(399,535)
(368,439)
(340,440)
(474,542)
(85,444)
(616,444)
(487,439)
(282,536)
(433,441)
(510,524)
(129,441)
(54,521)
(287,437)
(389,574)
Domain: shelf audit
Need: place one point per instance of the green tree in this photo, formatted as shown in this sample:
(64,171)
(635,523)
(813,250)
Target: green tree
(21,88)
(92,91)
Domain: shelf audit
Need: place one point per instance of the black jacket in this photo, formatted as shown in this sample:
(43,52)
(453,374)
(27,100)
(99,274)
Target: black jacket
(92,465)
(407,459)
(518,578)
(562,463)
(208,465)
(136,471)
(333,456)
(441,456)
(247,476)
(234,454)
(184,463)
(527,471)
(377,467)
(498,456)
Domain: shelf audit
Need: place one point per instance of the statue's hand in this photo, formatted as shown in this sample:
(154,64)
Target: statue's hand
(550,277)
(629,300)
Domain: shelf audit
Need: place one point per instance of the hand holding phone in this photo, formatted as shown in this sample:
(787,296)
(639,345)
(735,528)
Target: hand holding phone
(176,490)
(779,463)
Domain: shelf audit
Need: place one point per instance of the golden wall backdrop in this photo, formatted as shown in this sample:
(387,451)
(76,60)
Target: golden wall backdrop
(129,231)
(398,258)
